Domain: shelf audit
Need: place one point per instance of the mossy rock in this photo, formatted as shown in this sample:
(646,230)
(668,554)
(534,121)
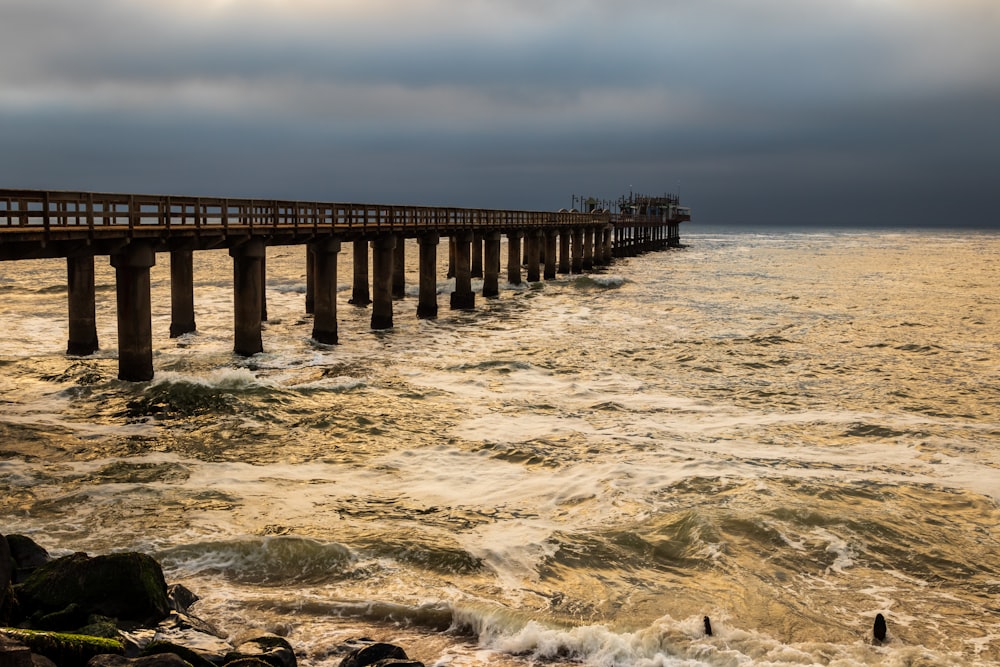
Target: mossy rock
(128,587)
(66,650)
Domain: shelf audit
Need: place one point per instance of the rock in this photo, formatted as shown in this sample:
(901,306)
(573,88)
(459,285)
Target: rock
(273,650)
(41,661)
(128,587)
(27,556)
(194,658)
(247,662)
(159,660)
(373,654)
(14,653)
(6,566)
(66,650)
(879,628)
(180,597)
(6,573)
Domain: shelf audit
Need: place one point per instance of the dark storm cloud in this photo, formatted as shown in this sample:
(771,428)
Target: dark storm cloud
(773,111)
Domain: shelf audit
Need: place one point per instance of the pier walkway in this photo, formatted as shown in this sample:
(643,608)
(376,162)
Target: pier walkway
(131,229)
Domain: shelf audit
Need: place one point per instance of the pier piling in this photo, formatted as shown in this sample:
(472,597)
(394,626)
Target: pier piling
(82,305)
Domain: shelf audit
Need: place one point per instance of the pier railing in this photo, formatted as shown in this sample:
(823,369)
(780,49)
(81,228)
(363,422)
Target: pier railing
(49,210)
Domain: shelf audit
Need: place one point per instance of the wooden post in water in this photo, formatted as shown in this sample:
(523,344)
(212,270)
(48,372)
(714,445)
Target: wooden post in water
(514,258)
(577,259)
(324,253)
(399,269)
(427,307)
(463,298)
(181,292)
(263,285)
(564,237)
(310,280)
(135,321)
(550,255)
(588,248)
(491,268)
(532,241)
(248,290)
(382,256)
(477,255)
(360,296)
(82,305)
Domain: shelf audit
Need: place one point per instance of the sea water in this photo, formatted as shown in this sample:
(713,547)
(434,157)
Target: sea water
(785,431)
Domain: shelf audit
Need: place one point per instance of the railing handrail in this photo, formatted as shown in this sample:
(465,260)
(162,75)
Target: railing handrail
(50,209)
(45,210)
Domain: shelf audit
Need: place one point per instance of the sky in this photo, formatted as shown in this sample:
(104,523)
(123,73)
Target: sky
(826,112)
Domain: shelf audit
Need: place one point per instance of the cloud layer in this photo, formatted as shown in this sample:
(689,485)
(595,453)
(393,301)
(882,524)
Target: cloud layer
(849,111)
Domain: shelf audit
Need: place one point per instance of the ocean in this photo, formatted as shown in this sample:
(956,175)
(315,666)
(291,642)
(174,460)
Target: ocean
(787,431)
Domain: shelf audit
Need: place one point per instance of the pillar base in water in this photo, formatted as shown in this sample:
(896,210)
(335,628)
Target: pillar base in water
(463,301)
(381,322)
(181,329)
(76,348)
(360,299)
(325,337)
(427,312)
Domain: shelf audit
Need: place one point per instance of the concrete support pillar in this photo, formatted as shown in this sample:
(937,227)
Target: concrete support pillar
(360,296)
(399,269)
(248,291)
(451,257)
(310,281)
(477,255)
(564,237)
(427,308)
(491,277)
(463,298)
(608,243)
(263,285)
(550,255)
(514,258)
(577,260)
(383,248)
(588,248)
(324,253)
(181,292)
(82,305)
(135,320)
(532,252)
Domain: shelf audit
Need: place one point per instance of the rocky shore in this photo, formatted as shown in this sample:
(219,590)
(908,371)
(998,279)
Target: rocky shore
(117,610)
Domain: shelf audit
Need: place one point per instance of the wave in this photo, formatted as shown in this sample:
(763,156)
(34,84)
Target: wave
(270,560)
(599,281)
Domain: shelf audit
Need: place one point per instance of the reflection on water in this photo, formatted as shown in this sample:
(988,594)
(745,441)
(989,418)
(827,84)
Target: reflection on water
(787,432)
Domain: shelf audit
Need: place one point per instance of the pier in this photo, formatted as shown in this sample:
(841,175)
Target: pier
(131,229)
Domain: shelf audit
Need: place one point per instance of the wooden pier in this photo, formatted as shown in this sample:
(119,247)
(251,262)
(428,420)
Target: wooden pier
(131,229)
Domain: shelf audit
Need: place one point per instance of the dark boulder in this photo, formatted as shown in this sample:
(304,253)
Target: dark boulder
(192,657)
(273,650)
(14,653)
(6,572)
(128,587)
(372,654)
(27,556)
(159,660)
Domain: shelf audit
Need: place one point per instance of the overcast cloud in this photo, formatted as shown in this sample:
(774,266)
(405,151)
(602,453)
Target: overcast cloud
(786,111)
